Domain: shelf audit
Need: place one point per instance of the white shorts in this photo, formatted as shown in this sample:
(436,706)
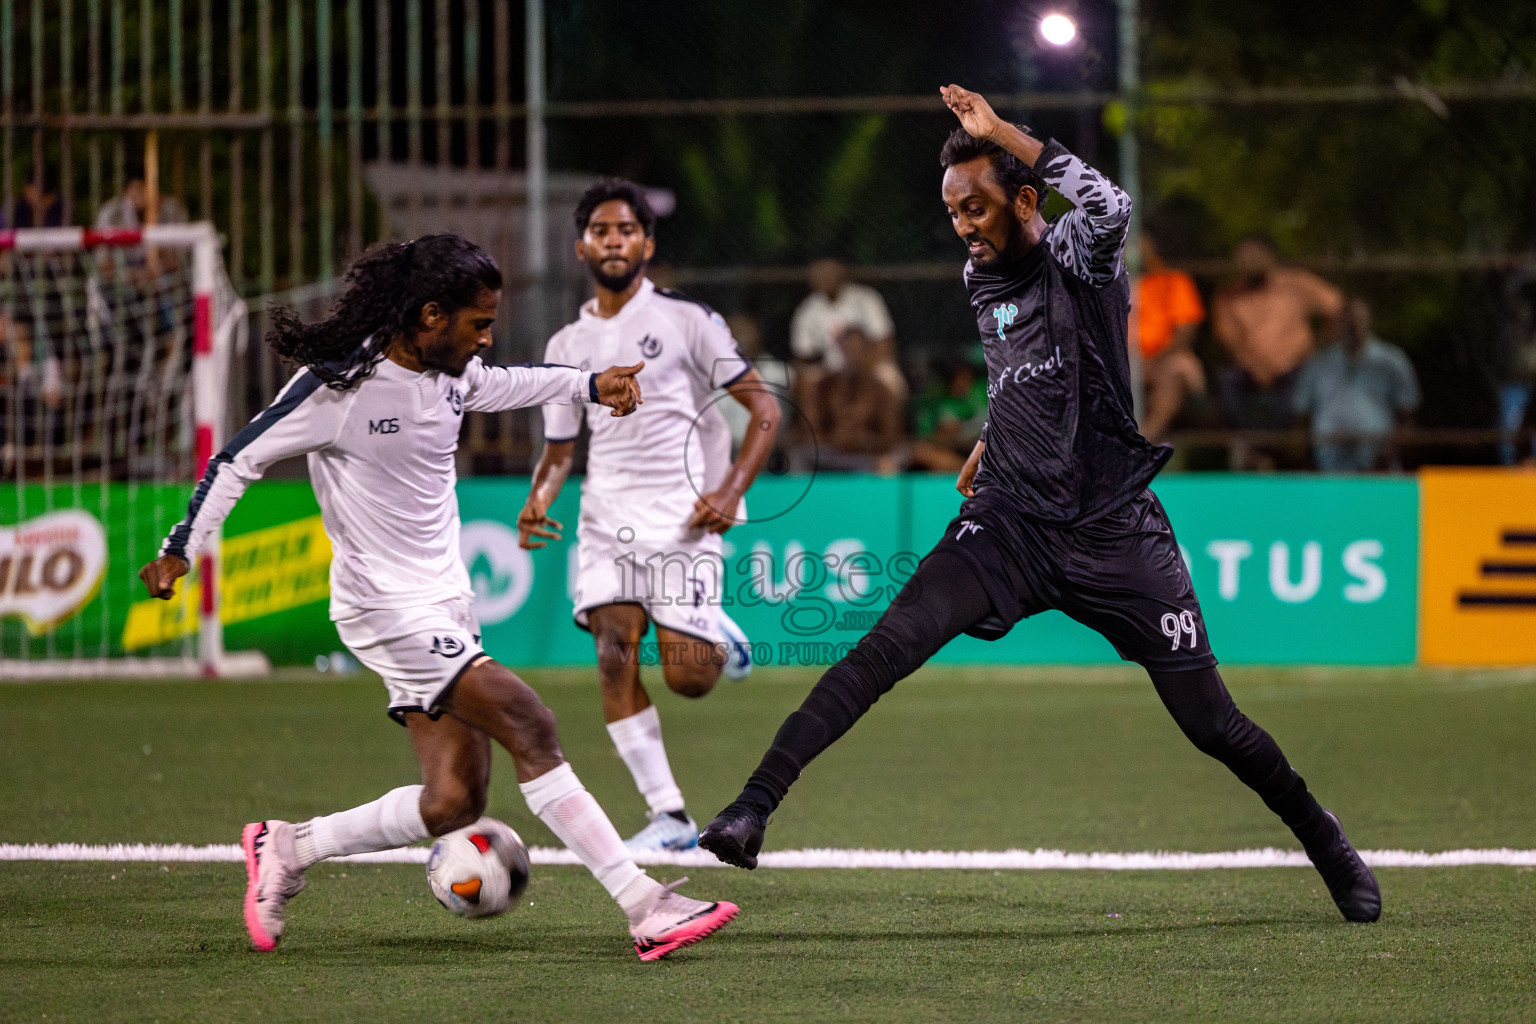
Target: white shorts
(679,582)
(420,652)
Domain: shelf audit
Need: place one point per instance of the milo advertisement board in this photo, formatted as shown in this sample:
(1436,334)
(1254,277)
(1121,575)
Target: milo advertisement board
(69,557)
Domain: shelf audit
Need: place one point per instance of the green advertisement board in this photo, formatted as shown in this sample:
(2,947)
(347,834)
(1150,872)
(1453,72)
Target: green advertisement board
(1288,569)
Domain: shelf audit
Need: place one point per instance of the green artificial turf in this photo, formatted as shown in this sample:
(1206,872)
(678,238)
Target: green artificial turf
(953,759)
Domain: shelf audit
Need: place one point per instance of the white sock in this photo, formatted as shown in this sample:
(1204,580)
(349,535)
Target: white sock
(638,739)
(391,821)
(560,801)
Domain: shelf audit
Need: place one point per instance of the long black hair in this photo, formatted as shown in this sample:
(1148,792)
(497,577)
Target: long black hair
(385,290)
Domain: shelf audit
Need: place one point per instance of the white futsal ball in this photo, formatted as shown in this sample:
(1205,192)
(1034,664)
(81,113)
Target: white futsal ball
(480,870)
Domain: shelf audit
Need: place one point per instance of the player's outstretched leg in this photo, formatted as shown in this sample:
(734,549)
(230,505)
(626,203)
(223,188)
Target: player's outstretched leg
(492,699)
(1204,710)
(942,599)
(456,769)
(277,853)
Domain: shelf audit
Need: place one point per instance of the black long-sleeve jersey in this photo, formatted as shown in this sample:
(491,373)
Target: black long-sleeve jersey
(1061,434)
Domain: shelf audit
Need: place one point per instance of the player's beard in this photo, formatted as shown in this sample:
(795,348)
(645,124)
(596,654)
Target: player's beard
(1013,250)
(616,282)
(440,357)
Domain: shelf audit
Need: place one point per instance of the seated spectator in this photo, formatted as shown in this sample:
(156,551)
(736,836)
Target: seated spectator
(134,207)
(125,278)
(1168,313)
(1515,363)
(1356,393)
(1264,320)
(37,208)
(773,370)
(949,418)
(856,417)
(835,303)
(31,393)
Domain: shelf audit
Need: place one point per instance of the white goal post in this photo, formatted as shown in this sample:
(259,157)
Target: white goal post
(116,348)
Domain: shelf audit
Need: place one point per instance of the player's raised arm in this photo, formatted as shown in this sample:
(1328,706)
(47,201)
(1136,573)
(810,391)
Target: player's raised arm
(305,417)
(1089,239)
(496,388)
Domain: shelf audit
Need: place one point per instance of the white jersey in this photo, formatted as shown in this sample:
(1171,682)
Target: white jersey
(677,445)
(381,463)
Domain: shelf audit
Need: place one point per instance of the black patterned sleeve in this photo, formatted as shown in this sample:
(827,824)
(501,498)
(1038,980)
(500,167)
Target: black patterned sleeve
(1090,240)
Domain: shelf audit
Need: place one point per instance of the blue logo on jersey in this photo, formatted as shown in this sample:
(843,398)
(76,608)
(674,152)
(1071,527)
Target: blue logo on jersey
(1005,316)
(650,347)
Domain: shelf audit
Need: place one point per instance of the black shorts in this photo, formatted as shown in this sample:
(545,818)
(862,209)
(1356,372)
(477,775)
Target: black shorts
(1120,575)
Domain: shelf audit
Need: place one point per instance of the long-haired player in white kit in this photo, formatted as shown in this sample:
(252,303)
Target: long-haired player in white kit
(377,408)
(660,491)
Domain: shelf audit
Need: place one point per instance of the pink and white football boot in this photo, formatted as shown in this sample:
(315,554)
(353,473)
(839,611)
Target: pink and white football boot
(673,921)
(272,878)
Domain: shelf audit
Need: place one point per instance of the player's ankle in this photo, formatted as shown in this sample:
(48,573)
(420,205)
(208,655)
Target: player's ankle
(304,844)
(752,800)
(635,899)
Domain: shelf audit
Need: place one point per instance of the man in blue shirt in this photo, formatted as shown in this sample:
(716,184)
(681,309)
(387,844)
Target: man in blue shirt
(1356,393)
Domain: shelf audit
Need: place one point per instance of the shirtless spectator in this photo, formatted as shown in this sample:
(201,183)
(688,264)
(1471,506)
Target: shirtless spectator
(835,303)
(1265,320)
(856,417)
(1168,313)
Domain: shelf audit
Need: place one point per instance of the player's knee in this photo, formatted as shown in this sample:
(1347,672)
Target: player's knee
(522,713)
(446,806)
(692,680)
(536,727)
(617,654)
(1211,731)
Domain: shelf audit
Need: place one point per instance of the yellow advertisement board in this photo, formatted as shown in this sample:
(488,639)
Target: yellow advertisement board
(1477,589)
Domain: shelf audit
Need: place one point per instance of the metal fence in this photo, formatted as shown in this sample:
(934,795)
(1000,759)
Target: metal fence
(309,129)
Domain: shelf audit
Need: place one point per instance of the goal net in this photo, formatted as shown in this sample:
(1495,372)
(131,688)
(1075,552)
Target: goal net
(115,349)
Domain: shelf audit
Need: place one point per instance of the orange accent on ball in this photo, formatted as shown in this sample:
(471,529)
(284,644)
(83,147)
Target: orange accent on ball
(470,890)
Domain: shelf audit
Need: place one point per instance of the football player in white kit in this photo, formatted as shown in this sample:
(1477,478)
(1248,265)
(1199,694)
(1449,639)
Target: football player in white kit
(377,408)
(660,490)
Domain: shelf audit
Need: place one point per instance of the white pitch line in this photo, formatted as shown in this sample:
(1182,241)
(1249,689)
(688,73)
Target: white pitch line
(1002,860)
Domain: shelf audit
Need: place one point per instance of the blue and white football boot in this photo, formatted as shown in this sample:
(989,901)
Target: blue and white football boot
(738,658)
(669,830)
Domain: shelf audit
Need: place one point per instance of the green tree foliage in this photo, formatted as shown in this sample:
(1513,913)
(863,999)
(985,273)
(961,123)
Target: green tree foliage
(1334,178)
(1423,177)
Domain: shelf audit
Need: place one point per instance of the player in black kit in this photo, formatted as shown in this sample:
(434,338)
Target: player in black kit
(1057,511)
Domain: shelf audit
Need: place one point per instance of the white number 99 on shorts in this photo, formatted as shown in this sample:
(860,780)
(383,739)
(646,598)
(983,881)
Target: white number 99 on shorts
(1177,627)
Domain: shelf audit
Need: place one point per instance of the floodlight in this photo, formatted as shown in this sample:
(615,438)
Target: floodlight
(1058,29)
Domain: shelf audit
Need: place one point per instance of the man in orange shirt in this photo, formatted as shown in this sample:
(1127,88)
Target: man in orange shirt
(1265,320)
(1168,312)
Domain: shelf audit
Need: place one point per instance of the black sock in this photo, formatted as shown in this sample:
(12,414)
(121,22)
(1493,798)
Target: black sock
(1297,807)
